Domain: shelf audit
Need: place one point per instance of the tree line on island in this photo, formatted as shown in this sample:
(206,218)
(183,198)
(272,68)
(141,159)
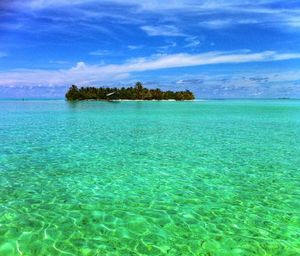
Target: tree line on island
(138,92)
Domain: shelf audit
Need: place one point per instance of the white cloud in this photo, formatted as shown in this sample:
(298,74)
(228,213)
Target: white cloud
(43,4)
(165,48)
(100,52)
(212,14)
(157,5)
(163,30)
(294,21)
(134,47)
(192,42)
(224,23)
(83,73)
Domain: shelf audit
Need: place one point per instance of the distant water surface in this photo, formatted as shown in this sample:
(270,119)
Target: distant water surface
(150,178)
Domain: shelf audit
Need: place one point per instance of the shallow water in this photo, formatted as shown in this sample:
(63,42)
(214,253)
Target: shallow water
(150,178)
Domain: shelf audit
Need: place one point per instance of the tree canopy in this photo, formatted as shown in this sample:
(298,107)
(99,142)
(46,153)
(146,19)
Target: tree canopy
(138,92)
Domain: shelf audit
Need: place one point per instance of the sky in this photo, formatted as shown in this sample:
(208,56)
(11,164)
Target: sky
(217,49)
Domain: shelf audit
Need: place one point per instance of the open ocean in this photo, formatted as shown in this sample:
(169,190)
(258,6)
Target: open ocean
(150,178)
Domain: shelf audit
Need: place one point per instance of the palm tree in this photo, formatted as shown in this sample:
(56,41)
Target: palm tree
(139,90)
(73,93)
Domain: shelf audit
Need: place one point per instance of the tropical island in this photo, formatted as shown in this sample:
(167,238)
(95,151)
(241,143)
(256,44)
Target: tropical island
(138,92)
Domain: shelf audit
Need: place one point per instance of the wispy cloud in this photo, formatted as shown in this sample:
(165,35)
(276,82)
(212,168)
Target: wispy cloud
(165,48)
(227,13)
(218,23)
(172,18)
(294,21)
(190,81)
(83,73)
(163,30)
(259,84)
(192,42)
(134,47)
(100,53)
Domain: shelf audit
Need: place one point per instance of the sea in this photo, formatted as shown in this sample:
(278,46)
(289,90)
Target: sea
(212,177)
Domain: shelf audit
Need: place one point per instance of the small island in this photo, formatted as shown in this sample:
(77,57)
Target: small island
(138,92)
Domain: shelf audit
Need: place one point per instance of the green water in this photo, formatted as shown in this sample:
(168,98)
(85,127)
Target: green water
(150,178)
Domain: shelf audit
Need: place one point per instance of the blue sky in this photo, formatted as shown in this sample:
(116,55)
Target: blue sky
(217,49)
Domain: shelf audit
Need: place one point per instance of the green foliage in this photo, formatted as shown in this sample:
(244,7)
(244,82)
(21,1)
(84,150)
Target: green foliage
(73,93)
(138,92)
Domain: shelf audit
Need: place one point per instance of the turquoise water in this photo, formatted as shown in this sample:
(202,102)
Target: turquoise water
(150,178)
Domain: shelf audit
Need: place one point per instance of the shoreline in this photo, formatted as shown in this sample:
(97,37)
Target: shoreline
(122,100)
(154,100)
(195,100)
